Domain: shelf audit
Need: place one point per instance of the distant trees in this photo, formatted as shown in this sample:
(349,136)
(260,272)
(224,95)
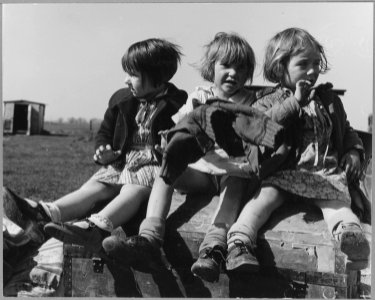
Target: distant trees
(78,121)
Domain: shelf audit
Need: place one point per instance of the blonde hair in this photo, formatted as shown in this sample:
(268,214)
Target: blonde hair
(283,46)
(230,49)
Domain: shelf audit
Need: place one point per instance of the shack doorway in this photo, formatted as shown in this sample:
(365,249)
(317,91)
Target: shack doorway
(20,121)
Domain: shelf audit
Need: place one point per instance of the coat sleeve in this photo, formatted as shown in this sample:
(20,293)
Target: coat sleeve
(351,140)
(105,133)
(281,112)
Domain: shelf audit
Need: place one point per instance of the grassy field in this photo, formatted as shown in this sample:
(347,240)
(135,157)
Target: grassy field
(46,167)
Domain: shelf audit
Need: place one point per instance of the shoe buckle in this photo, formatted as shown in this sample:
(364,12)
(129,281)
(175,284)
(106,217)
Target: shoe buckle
(97,265)
(91,224)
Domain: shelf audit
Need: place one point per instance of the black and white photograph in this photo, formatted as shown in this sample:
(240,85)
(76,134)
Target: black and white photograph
(187,149)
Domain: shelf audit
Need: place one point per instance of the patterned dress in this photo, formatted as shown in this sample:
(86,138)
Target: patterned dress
(317,174)
(140,166)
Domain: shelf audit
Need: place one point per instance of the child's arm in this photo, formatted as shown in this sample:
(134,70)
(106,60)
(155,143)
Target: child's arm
(352,145)
(286,111)
(351,164)
(191,103)
(104,137)
(105,155)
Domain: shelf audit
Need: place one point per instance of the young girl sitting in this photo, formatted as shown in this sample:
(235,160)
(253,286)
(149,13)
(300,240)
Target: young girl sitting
(325,155)
(125,147)
(228,63)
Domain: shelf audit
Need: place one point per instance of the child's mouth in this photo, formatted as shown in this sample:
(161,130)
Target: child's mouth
(231,82)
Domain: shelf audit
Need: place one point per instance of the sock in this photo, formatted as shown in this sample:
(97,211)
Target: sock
(343,215)
(215,236)
(102,222)
(241,232)
(52,211)
(153,229)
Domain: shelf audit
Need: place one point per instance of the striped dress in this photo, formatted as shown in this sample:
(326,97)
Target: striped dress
(140,166)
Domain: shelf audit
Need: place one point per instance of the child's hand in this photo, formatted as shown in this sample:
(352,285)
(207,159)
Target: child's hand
(105,155)
(163,141)
(351,163)
(304,92)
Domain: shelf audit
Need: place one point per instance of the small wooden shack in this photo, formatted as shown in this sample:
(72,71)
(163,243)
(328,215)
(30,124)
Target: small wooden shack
(23,116)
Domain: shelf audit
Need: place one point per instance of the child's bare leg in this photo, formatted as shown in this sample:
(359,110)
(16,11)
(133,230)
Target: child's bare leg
(347,232)
(153,227)
(78,203)
(212,251)
(124,206)
(91,231)
(243,234)
(143,251)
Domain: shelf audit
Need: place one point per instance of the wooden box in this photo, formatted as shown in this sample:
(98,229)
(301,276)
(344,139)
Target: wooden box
(297,256)
(296,252)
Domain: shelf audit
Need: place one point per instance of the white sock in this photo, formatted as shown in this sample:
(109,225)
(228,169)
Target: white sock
(52,210)
(102,222)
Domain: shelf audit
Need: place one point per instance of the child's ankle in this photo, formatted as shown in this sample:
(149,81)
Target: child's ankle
(153,230)
(50,211)
(345,226)
(101,222)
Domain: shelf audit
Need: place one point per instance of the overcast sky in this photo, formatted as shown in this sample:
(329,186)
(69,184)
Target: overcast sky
(69,55)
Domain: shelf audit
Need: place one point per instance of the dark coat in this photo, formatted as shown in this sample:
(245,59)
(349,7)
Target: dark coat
(119,119)
(236,128)
(286,110)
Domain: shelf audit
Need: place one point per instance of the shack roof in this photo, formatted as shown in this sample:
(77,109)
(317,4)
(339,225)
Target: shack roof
(23,102)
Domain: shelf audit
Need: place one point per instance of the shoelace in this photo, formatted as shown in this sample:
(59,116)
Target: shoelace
(341,228)
(213,253)
(242,247)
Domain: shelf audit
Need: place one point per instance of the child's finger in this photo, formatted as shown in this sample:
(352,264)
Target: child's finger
(159,149)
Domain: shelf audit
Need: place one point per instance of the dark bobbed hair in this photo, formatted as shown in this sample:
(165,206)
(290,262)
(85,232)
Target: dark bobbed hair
(283,46)
(230,49)
(158,59)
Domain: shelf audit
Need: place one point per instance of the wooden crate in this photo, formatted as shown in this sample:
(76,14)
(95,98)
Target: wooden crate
(295,250)
(297,256)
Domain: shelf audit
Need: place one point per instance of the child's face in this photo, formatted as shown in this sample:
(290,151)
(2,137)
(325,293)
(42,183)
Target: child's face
(139,85)
(228,79)
(302,66)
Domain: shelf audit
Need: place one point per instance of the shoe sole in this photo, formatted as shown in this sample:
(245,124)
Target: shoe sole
(244,268)
(69,237)
(355,246)
(206,274)
(356,265)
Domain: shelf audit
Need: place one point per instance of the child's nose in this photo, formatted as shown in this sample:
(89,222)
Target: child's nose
(232,71)
(311,71)
(127,79)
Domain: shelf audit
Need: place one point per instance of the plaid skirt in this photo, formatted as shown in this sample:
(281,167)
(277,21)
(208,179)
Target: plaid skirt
(118,173)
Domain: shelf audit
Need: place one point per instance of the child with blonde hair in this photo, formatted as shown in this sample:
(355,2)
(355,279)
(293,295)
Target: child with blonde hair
(124,147)
(325,157)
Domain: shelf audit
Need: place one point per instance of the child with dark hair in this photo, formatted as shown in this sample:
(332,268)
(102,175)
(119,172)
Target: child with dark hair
(325,155)
(125,147)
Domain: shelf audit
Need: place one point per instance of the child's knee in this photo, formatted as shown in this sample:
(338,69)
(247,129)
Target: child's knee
(100,189)
(272,196)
